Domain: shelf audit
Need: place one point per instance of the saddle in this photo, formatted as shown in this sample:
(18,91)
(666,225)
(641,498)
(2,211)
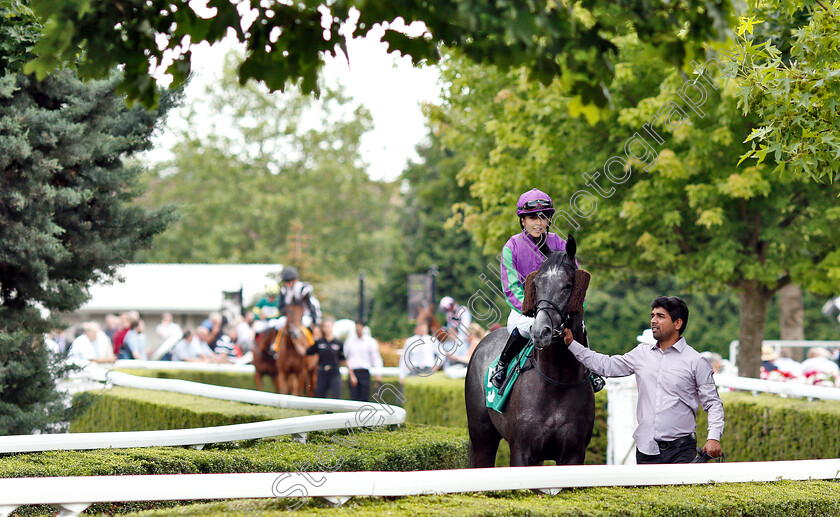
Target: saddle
(496,399)
(309,339)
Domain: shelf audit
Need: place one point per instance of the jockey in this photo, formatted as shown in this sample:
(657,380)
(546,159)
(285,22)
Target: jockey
(524,253)
(293,289)
(267,307)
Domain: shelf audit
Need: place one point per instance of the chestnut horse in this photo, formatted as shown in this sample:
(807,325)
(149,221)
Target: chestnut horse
(265,362)
(296,372)
(426,314)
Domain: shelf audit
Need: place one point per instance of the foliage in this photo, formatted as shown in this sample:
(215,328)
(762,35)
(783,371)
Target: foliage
(420,448)
(772,428)
(65,215)
(677,203)
(273,186)
(19,31)
(430,189)
(791,83)
(122,409)
(288,42)
(778,499)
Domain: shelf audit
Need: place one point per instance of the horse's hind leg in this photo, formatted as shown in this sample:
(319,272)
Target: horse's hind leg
(258,380)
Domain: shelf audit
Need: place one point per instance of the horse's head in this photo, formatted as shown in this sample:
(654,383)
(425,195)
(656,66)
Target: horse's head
(547,294)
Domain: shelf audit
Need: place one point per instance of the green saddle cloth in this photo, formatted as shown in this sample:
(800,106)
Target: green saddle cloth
(496,399)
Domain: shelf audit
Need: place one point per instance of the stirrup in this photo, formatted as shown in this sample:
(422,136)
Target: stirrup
(597,381)
(498,375)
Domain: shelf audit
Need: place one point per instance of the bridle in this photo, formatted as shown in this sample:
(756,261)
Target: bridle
(565,317)
(546,306)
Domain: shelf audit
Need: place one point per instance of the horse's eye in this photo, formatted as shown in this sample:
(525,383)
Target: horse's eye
(568,286)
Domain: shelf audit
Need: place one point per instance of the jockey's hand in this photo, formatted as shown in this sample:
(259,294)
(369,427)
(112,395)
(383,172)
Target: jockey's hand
(568,337)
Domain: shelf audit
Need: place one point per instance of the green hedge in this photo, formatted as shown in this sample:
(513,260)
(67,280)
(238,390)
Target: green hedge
(436,400)
(779,499)
(768,427)
(406,448)
(124,409)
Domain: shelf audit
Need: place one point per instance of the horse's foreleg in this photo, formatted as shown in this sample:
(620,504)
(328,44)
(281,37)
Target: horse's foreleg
(521,456)
(258,380)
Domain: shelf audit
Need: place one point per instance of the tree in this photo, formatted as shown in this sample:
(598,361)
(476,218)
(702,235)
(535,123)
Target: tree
(424,240)
(65,215)
(790,81)
(287,42)
(278,178)
(657,192)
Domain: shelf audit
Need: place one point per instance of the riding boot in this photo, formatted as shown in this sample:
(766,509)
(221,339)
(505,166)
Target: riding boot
(514,345)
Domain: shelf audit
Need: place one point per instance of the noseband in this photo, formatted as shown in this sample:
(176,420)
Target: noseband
(548,305)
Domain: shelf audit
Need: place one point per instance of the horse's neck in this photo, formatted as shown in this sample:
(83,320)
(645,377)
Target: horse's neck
(294,316)
(558,363)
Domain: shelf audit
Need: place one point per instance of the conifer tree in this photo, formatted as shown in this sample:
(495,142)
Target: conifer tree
(66,213)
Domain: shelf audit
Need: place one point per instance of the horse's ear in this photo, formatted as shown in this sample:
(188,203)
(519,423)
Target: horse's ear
(571,247)
(530,300)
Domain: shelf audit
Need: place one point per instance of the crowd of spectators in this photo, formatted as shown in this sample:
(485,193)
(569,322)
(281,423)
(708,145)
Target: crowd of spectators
(218,339)
(820,367)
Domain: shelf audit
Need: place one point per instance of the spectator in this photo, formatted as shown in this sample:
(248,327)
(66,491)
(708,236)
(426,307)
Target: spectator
(819,368)
(458,320)
(226,347)
(244,332)
(134,344)
(213,324)
(787,364)
(167,328)
(118,338)
(714,359)
(191,348)
(476,334)
(330,352)
(86,347)
(112,325)
(768,356)
(362,352)
(418,356)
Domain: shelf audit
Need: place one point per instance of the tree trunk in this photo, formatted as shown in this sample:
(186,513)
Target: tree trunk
(754,300)
(791,316)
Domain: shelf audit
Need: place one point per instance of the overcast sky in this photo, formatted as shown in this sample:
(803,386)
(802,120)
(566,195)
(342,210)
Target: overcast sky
(389,86)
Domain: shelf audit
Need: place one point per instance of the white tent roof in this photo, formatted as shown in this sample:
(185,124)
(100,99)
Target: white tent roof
(178,287)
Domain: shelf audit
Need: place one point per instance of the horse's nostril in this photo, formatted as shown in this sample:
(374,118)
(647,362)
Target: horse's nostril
(545,333)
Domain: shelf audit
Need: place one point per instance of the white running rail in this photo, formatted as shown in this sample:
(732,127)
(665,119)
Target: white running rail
(130,364)
(74,494)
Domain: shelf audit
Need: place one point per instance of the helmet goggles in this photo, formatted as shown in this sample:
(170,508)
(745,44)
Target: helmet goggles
(537,204)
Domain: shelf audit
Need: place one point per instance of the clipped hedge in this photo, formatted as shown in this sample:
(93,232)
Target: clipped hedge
(436,400)
(405,448)
(768,427)
(779,499)
(125,409)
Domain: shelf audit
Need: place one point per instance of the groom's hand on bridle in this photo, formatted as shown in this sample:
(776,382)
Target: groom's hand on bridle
(568,337)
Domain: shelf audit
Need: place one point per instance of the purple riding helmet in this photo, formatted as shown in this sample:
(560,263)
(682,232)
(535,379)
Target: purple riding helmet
(534,201)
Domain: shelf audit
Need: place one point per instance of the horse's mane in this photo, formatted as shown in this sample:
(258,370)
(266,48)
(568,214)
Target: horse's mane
(556,259)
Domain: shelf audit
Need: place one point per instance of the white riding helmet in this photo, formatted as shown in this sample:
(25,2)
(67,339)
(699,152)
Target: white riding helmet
(447,303)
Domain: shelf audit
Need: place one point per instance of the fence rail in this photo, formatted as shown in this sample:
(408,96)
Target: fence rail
(74,494)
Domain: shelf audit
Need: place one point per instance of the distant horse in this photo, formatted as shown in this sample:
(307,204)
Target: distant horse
(426,314)
(551,409)
(296,372)
(265,362)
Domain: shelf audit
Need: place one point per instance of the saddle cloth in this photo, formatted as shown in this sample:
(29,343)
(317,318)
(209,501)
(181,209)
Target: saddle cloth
(496,399)
(309,339)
